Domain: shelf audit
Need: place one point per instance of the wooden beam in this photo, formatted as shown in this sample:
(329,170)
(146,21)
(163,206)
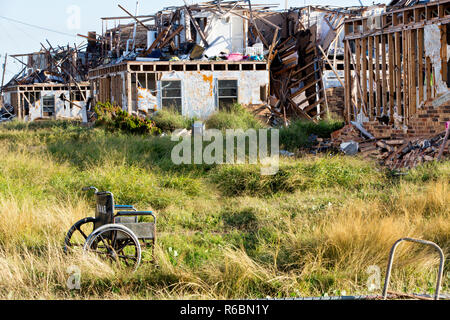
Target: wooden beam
(377,76)
(359,97)
(443,52)
(398,72)
(384,85)
(412,73)
(420,56)
(132,16)
(392,75)
(169,38)
(364,74)
(196,26)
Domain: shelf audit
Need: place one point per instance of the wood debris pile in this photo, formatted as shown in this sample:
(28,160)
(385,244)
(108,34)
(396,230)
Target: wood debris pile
(404,153)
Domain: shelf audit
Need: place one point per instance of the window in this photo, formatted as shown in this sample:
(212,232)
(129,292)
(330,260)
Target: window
(171,95)
(227,93)
(48,106)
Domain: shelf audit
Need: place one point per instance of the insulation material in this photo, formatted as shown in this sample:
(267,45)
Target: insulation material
(146,100)
(432,44)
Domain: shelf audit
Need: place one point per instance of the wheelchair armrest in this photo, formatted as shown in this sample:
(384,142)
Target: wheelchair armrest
(136,213)
(120,206)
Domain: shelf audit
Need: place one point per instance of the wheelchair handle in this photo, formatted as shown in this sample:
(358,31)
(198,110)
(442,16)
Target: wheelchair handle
(90,188)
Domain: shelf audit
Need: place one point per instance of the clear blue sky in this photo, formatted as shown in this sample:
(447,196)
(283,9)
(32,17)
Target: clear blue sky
(61,16)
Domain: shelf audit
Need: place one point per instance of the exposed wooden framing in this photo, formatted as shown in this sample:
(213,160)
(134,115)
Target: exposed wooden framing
(412,73)
(392,77)
(384,84)
(398,72)
(347,88)
(169,38)
(370,55)
(359,97)
(420,57)
(364,73)
(132,16)
(405,73)
(428,78)
(129,93)
(444,58)
(377,76)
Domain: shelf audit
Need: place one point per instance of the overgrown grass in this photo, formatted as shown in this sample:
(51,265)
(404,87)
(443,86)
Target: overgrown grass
(169,120)
(237,117)
(297,134)
(223,232)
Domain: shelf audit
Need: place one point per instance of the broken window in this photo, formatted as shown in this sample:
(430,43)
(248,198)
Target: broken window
(76,95)
(227,93)
(171,97)
(48,106)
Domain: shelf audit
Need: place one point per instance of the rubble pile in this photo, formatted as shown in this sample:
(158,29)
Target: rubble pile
(395,153)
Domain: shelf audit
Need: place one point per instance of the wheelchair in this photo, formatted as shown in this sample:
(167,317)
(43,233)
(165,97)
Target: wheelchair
(114,233)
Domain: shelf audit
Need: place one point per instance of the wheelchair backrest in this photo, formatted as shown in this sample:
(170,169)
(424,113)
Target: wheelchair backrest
(104,211)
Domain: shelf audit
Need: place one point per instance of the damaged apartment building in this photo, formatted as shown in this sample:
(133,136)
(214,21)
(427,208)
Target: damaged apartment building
(396,69)
(195,59)
(52,84)
(204,57)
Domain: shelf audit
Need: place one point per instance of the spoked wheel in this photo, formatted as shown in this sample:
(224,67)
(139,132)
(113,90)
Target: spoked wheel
(78,233)
(116,243)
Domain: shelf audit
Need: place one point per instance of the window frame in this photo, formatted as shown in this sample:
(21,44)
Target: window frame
(162,90)
(218,96)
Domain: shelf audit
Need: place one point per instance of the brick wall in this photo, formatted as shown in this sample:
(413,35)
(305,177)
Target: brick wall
(336,100)
(427,121)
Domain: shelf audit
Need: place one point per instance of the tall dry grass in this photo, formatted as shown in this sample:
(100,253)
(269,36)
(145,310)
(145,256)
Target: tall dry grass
(214,243)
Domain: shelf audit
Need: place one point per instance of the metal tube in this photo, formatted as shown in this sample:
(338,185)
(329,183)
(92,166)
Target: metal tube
(391,259)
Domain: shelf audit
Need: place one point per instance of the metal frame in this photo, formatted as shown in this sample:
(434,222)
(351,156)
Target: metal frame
(391,260)
(125,211)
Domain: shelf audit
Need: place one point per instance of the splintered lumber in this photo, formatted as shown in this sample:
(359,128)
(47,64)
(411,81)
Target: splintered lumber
(134,17)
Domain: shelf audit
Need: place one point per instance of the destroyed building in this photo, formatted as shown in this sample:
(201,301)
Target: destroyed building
(396,69)
(51,85)
(197,59)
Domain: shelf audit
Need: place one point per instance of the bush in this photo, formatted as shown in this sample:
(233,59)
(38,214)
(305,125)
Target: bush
(309,174)
(235,118)
(296,135)
(113,118)
(169,120)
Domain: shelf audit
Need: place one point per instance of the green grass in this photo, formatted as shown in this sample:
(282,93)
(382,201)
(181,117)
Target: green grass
(296,135)
(224,231)
(169,120)
(236,118)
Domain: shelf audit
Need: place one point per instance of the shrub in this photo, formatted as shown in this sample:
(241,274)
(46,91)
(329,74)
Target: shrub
(237,117)
(296,135)
(113,118)
(169,120)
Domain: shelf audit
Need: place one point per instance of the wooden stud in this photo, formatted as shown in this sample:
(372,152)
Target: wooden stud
(392,76)
(377,76)
(412,73)
(347,88)
(443,28)
(358,71)
(405,75)
(384,73)
(364,72)
(420,60)
(398,72)
(370,56)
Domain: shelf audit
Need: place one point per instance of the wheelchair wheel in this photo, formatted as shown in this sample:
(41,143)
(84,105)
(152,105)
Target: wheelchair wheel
(116,243)
(78,233)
